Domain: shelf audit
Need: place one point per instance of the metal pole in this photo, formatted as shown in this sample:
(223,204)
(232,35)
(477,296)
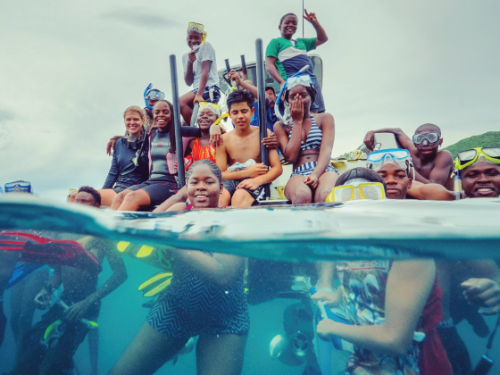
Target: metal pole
(259,62)
(302,18)
(177,122)
(243,65)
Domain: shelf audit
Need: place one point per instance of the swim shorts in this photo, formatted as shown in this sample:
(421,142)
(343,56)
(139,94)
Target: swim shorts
(118,188)
(159,189)
(257,194)
(206,94)
(307,168)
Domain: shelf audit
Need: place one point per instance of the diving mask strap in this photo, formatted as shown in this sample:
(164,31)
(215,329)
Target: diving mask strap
(150,86)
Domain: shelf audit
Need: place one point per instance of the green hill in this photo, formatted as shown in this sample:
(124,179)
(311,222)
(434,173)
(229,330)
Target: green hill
(489,139)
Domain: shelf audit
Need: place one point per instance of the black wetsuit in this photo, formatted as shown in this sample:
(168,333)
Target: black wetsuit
(124,172)
(162,183)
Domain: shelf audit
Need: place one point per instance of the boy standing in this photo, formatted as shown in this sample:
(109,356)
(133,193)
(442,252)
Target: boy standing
(240,150)
(286,56)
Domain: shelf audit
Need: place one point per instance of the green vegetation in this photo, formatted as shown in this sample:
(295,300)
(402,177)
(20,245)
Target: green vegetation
(489,139)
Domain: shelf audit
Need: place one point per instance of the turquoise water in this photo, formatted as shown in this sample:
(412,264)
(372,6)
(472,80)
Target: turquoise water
(291,240)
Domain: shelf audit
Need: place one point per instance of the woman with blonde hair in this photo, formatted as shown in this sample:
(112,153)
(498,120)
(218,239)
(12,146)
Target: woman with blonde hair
(130,158)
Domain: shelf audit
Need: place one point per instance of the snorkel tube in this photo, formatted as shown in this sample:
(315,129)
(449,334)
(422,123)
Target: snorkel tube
(89,323)
(278,98)
(146,96)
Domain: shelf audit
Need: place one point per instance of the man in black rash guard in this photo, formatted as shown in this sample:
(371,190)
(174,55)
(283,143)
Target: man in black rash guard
(162,182)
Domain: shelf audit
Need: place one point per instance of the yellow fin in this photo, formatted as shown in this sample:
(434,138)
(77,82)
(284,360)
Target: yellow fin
(158,289)
(154,278)
(145,251)
(122,246)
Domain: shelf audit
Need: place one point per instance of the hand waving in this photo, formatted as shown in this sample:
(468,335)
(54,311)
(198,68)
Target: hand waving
(311,17)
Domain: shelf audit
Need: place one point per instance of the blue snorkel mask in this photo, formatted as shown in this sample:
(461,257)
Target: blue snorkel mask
(400,157)
(152,94)
(18,186)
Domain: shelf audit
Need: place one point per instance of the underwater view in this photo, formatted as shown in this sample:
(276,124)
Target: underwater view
(275,301)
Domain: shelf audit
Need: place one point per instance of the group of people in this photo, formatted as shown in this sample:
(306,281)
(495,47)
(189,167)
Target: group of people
(389,305)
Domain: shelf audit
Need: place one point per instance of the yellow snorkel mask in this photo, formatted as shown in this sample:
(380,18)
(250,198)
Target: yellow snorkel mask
(356,189)
(199,28)
(468,157)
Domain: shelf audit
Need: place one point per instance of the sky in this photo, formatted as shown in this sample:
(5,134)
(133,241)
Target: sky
(69,69)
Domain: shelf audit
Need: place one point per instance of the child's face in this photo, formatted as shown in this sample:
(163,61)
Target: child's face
(204,188)
(194,38)
(289,26)
(206,118)
(301,92)
(241,114)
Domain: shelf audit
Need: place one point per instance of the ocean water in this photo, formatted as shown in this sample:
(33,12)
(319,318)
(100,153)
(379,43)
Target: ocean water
(281,244)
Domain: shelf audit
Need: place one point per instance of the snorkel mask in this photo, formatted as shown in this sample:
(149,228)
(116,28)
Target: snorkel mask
(397,156)
(281,109)
(426,139)
(215,108)
(152,94)
(466,158)
(356,189)
(18,186)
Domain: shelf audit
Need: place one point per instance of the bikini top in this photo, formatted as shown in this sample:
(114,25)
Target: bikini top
(313,138)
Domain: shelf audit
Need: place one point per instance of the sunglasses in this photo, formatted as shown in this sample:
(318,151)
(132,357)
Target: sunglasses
(469,157)
(429,138)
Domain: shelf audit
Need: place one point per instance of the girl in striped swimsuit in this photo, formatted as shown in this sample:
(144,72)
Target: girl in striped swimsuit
(307,143)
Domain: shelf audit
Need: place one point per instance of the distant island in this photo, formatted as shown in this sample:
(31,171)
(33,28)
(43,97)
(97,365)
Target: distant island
(489,139)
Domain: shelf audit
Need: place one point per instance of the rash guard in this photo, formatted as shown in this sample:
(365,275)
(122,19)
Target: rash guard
(123,171)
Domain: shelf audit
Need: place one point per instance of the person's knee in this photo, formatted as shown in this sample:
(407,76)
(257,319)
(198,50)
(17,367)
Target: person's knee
(241,198)
(321,195)
(301,195)
(131,197)
(185,100)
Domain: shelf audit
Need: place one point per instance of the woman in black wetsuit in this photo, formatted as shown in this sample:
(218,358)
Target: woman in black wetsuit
(162,163)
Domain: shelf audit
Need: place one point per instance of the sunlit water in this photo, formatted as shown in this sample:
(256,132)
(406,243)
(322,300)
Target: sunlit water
(286,241)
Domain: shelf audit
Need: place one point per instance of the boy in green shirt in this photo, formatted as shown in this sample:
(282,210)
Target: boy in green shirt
(286,56)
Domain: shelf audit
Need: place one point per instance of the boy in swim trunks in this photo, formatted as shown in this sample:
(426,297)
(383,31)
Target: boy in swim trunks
(242,145)
(431,165)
